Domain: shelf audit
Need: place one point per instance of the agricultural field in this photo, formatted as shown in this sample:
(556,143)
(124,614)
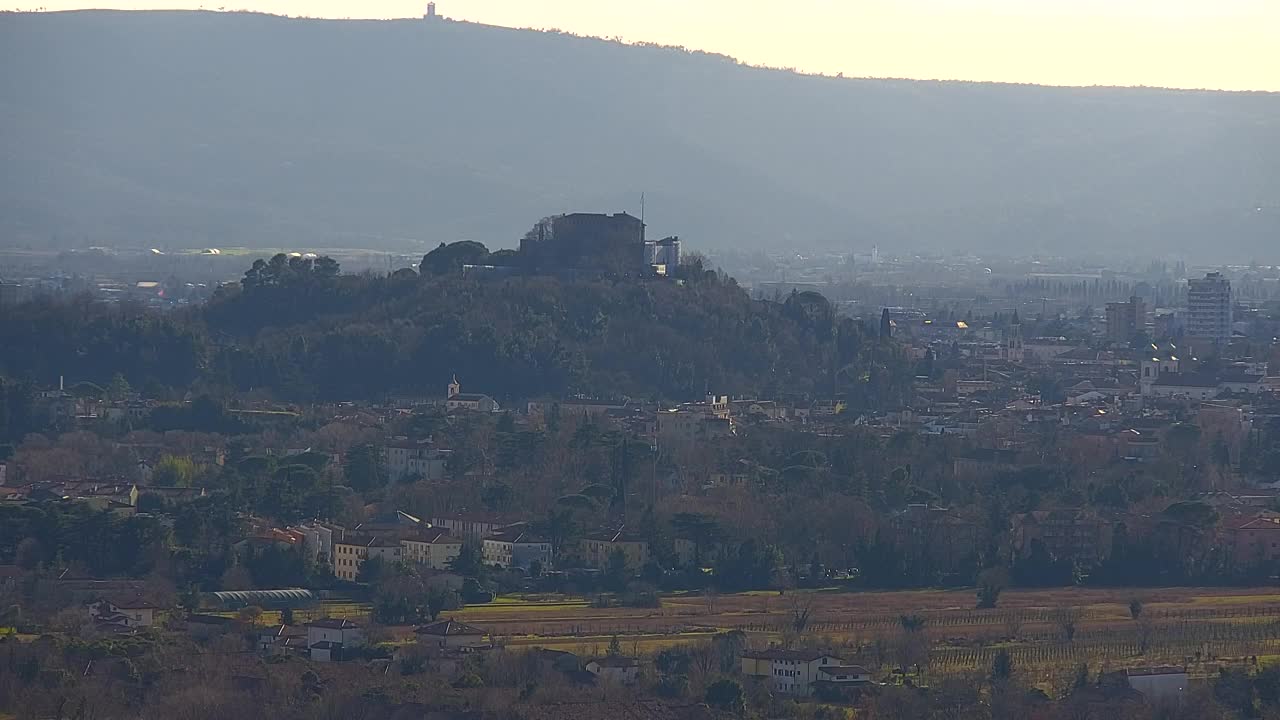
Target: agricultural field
(1048,633)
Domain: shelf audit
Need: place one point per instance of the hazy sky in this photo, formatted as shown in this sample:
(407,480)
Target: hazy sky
(1232,44)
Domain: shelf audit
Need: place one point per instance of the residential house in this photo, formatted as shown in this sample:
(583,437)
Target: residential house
(1253,539)
(842,676)
(758,409)
(559,660)
(114,507)
(116,492)
(405,459)
(328,637)
(516,547)
(317,541)
(473,527)
(130,612)
(394,524)
(432,548)
(1068,534)
(350,553)
(453,635)
(284,639)
(789,672)
(270,538)
(597,550)
(615,669)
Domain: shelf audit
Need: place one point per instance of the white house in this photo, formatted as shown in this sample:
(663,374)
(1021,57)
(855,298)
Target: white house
(516,547)
(433,548)
(131,612)
(615,669)
(317,541)
(410,459)
(328,637)
(790,672)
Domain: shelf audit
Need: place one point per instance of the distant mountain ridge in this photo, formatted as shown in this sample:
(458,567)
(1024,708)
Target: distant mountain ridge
(191,129)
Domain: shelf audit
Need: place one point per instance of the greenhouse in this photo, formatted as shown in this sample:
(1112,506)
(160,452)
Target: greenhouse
(291,599)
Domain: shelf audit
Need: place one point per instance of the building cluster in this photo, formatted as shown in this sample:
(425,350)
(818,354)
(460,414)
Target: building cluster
(156,293)
(503,541)
(1118,398)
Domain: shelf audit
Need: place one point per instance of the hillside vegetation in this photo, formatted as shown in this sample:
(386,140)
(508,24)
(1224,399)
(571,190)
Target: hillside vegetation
(312,335)
(211,129)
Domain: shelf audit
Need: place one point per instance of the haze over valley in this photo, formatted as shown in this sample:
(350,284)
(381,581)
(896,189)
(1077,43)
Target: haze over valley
(189,129)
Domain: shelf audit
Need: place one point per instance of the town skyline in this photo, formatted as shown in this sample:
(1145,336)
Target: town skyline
(1181,44)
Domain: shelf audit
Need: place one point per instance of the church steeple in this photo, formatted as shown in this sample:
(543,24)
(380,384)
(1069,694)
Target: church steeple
(455,388)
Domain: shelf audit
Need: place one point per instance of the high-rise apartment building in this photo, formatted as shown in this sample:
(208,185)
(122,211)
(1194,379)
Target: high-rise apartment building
(1209,308)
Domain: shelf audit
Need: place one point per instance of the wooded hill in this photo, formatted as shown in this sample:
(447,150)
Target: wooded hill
(304,334)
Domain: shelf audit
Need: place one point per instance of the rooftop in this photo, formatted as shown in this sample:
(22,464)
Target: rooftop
(449,628)
(794,655)
(616,661)
(1151,671)
(333,624)
(844,670)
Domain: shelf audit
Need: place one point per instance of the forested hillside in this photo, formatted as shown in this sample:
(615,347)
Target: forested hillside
(309,334)
(165,129)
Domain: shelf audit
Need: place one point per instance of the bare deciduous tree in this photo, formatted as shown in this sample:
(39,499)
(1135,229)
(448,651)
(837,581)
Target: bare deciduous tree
(1067,617)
